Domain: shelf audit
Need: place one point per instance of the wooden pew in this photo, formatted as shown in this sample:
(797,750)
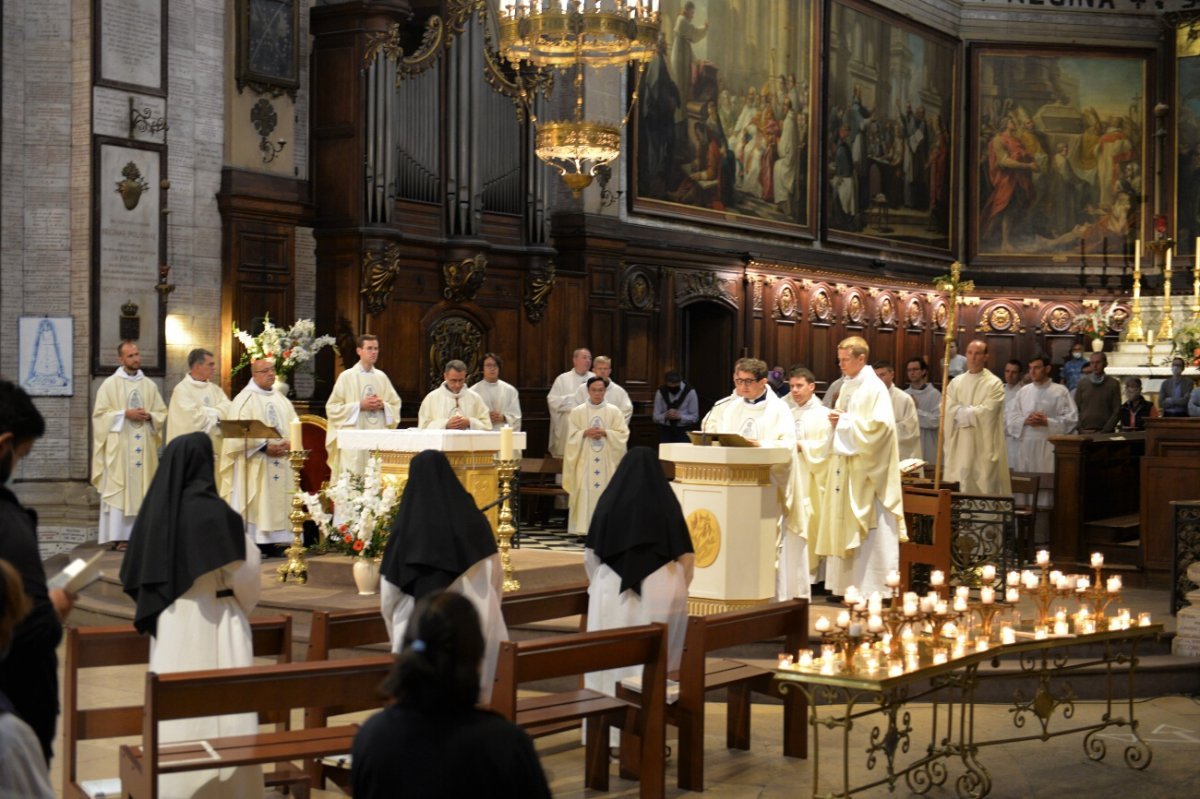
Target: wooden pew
(339,686)
(579,653)
(536,479)
(699,675)
(122,645)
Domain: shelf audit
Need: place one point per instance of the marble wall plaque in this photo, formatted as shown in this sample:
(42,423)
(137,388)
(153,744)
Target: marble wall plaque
(130,43)
(128,248)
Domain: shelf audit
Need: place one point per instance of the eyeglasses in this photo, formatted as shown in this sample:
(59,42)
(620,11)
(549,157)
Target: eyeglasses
(747,381)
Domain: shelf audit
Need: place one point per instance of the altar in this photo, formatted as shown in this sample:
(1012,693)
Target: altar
(1151,360)
(472,455)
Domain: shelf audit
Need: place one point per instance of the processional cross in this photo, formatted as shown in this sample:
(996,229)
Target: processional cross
(954,287)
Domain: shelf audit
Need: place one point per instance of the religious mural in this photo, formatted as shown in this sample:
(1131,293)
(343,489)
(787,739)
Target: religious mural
(1059,150)
(723,129)
(890,111)
(1187,138)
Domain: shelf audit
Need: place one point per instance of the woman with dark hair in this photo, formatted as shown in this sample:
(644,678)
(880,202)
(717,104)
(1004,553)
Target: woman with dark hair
(639,560)
(432,741)
(441,541)
(193,572)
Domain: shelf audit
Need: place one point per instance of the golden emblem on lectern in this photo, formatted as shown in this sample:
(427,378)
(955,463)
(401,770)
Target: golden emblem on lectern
(706,536)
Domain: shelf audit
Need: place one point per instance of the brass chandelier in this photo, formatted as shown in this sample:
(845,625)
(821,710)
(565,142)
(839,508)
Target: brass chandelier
(576,35)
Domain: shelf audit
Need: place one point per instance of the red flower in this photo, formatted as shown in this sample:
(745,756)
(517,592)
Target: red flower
(358,545)
(348,539)
(342,528)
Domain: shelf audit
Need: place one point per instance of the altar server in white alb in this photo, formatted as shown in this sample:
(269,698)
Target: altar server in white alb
(813,446)
(976,453)
(596,440)
(1040,410)
(453,406)
(193,574)
(862,512)
(908,427)
(256,477)
(128,422)
(561,399)
(197,403)
(929,406)
(362,399)
(613,394)
(441,541)
(503,404)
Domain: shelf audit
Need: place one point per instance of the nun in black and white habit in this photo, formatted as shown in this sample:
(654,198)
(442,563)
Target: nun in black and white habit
(639,559)
(440,541)
(194,574)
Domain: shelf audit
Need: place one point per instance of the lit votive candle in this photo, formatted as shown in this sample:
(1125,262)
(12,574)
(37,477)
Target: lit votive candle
(822,624)
(940,608)
(856,629)
(912,662)
(981,645)
(843,618)
(960,604)
(1061,628)
(1029,580)
(907,635)
(1008,635)
(937,578)
(949,629)
(1144,619)
(987,595)
(1124,614)
(1055,576)
(927,604)
(962,591)
(1082,584)
(1040,632)
(872,664)
(851,594)
(806,659)
(785,660)
(959,651)
(875,623)
(1043,557)
(939,657)
(1097,560)
(893,579)
(910,608)
(1060,614)
(828,651)
(1014,578)
(826,667)
(989,572)
(1086,626)
(1114,584)
(875,603)
(895,668)
(1012,594)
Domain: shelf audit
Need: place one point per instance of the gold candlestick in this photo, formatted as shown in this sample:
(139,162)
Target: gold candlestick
(1134,330)
(1162,249)
(296,566)
(505,529)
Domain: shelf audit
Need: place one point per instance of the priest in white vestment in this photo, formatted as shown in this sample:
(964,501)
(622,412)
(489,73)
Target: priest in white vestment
(561,399)
(1040,410)
(794,565)
(1014,381)
(862,509)
(198,404)
(256,476)
(929,406)
(362,399)
(501,399)
(976,454)
(908,426)
(193,574)
(440,540)
(453,406)
(639,563)
(596,440)
(613,394)
(128,422)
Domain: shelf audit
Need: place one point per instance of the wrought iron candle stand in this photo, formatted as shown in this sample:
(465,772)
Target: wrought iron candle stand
(296,566)
(505,529)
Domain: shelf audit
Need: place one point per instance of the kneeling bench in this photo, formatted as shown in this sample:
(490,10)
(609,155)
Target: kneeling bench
(340,686)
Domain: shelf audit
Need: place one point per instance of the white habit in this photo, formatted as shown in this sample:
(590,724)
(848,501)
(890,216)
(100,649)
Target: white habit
(196,407)
(561,401)
(201,631)
(589,463)
(344,409)
(976,455)
(813,444)
(929,409)
(482,584)
(441,404)
(502,398)
(1035,453)
(257,485)
(908,425)
(1011,442)
(613,395)
(124,452)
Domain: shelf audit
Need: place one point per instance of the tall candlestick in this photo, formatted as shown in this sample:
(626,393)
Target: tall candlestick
(506,443)
(1134,330)
(297,436)
(1166,325)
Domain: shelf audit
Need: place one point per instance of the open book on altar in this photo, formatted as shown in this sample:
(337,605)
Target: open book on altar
(247,428)
(719,439)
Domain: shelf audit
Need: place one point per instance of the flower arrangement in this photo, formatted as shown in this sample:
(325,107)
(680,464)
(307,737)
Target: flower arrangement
(364,507)
(287,347)
(1186,343)
(1094,324)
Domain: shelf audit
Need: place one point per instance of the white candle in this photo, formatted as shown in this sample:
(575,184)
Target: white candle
(1012,595)
(939,657)
(296,431)
(822,624)
(1040,632)
(1144,619)
(1060,628)
(872,665)
(937,578)
(1083,584)
(981,645)
(960,604)
(785,660)
(987,595)
(875,623)
(1114,584)
(1043,557)
(1031,580)
(893,579)
(1014,578)
(910,608)
(962,591)
(875,603)
(806,658)
(989,573)
(895,668)
(506,443)
(843,619)
(1008,635)
(1086,627)
(1097,560)
(851,595)
(950,630)
(926,605)
(940,608)
(1055,577)
(856,630)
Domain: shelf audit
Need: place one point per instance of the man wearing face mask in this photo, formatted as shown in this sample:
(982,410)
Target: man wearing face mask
(1174,392)
(29,670)
(1136,410)
(1072,370)
(1098,398)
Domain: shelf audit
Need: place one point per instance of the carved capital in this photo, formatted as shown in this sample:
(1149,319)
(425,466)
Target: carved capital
(379,271)
(463,279)
(538,285)
(692,285)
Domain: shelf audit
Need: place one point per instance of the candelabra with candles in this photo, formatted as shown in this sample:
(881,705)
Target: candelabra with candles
(1134,328)
(506,466)
(1162,249)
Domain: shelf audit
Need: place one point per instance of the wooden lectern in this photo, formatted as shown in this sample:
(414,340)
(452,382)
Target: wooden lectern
(245,429)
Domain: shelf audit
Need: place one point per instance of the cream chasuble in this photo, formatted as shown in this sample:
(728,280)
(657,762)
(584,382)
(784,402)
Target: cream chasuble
(929,409)
(440,404)
(343,409)
(908,427)
(196,407)
(613,394)
(861,520)
(502,398)
(976,453)
(589,463)
(124,452)
(561,401)
(246,467)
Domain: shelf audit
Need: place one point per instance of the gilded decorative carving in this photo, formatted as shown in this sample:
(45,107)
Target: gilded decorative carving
(855,310)
(692,285)
(637,290)
(758,292)
(941,315)
(464,278)
(538,286)
(1119,318)
(451,338)
(913,315)
(886,315)
(786,304)
(722,474)
(1057,319)
(1000,318)
(705,530)
(821,307)
(379,271)
(131,186)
